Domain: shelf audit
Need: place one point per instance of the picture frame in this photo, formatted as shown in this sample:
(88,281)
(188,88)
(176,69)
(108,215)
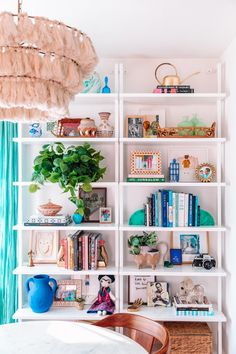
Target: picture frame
(105,215)
(191,244)
(44,246)
(205,172)
(188,159)
(137,287)
(67,127)
(93,201)
(67,291)
(145,163)
(176,256)
(158,294)
(134,126)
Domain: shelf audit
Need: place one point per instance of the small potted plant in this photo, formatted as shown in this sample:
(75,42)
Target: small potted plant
(144,249)
(80,303)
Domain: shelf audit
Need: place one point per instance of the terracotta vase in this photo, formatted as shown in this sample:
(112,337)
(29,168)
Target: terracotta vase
(140,260)
(163,249)
(153,258)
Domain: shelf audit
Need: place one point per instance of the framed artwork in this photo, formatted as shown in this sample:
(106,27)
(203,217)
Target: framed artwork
(188,160)
(176,256)
(67,291)
(137,287)
(158,294)
(146,162)
(44,246)
(134,126)
(105,215)
(205,172)
(191,244)
(93,201)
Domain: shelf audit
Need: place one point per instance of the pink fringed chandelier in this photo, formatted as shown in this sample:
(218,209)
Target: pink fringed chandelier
(42,66)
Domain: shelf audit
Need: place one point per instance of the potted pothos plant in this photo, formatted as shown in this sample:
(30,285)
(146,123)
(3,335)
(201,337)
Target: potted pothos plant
(71,167)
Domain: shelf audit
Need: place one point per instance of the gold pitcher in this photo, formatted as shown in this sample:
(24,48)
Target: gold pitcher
(172,80)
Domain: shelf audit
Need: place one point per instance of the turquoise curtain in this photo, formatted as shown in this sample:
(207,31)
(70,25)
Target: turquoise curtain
(8,218)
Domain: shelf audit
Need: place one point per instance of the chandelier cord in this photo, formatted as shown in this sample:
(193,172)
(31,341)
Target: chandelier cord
(20,6)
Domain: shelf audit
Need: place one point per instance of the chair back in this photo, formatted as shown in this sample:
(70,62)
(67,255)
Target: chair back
(141,329)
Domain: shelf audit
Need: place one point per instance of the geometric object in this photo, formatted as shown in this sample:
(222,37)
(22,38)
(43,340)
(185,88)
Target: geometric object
(174,171)
(43,64)
(137,218)
(206,219)
(106,89)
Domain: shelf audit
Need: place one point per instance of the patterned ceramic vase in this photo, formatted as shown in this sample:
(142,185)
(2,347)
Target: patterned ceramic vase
(105,129)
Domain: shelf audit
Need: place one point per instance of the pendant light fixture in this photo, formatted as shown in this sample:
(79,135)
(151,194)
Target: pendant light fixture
(42,66)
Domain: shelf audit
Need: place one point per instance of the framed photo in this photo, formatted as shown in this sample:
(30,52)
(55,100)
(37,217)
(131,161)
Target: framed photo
(158,294)
(67,291)
(105,215)
(93,201)
(44,246)
(191,244)
(137,287)
(205,172)
(134,126)
(176,256)
(188,160)
(146,162)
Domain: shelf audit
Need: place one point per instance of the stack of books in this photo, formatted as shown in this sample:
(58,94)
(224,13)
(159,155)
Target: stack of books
(81,250)
(40,220)
(166,208)
(183,308)
(174,89)
(145,178)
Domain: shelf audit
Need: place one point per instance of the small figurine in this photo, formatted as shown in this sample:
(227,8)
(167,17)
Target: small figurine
(174,171)
(106,89)
(35,130)
(135,306)
(61,255)
(204,260)
(190,292)
(103,260)
(105,302)
(31,262)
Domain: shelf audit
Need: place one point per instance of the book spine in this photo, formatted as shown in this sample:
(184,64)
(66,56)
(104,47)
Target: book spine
(153,209)
(86,252)
(66,252)
(44,224)
(198,216)
(92,252)
(174,207)
(80,265)
(83,252)
(150,211)
(177,209)
(164,207)
(186,199)
(181,209)
(146,215)
(75,246)
(138,179)
(173,86)
(190,210)
(89,252)
(196,210)
(170,209)
(72,254)
(193,210)
(159,210)
(156,209)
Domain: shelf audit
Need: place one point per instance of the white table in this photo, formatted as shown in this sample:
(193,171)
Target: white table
(47,337)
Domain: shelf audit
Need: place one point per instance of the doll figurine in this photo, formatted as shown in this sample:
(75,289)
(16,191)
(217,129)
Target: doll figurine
(105,302)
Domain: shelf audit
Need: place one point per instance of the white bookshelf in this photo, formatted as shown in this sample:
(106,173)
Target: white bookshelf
(120,229)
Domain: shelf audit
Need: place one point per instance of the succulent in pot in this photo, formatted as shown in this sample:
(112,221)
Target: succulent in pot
(80,303)
(71,167)
(144,249)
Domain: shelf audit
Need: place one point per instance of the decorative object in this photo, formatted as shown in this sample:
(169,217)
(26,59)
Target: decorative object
(137,218)
(142,243)
(145,163)
(77,218)
(103,261)
(66,127)
(50,67)
(35,130)
(105,129)
(44,245)
(105,302)
(136,306)
(191,244)
(168,264)
(40,220)
(92,84)
(151,116)
(106,88)
(176,256)
(204,260)
(152,258)
(80,303)
(205,172)
(87,128)
(49,209)
(105,215)
(190,293)
(137,287)
(68,290)
(40,294)
(93,201)
(134,126)
(206,219)
(187,337)
(193,122)
(30,254)
(158,294)
(187,132)
(171,80)
(57,163)
(174,171)
(188,160)
(163,249)
(61,255)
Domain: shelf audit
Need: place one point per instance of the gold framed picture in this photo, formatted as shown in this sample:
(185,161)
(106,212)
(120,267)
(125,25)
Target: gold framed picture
(205,172)
(146,162)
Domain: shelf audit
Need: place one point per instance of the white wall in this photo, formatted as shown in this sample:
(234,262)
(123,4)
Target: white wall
(229,60)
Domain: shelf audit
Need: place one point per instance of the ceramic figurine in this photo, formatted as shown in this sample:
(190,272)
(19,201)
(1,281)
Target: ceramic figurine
(106,88)
(174,171)
(31,262)
(105,302)
(103,261)
(190,292)
(87,128)
(105,129)
(35,130)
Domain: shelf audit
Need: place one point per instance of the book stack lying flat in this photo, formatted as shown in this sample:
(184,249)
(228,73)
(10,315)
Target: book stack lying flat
(166,208)
(40,220)
(81,250)
(145,178)
(183,308)
(174,89)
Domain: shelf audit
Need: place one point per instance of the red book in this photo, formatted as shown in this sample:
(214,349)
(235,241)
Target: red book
(64,244)
(83,252)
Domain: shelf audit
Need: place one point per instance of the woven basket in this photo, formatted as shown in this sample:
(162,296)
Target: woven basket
(190,337)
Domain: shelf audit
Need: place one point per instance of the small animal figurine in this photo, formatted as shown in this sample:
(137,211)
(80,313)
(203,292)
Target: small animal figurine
(31,262)
(190,292)
(106,88)
(105,302)
(35,130)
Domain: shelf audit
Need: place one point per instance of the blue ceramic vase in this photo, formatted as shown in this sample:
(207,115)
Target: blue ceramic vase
(77,218)
(40,294)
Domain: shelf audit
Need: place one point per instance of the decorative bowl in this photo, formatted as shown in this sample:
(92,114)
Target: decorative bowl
(49,209)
